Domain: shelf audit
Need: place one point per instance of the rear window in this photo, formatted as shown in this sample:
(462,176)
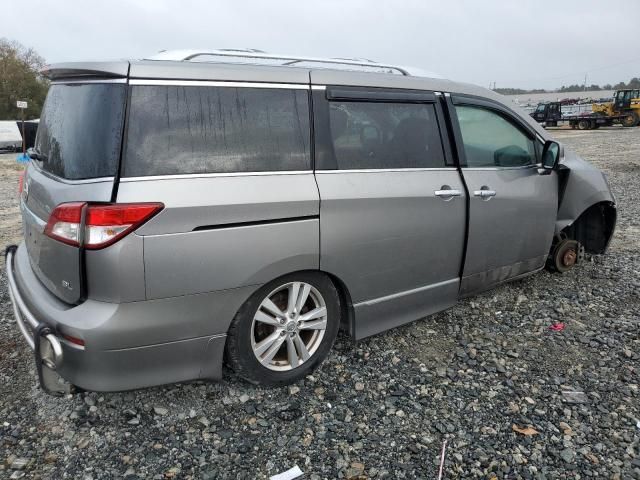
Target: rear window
(195,129)
(80,130)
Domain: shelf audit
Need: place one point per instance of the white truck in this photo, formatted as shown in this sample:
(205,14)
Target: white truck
(10,137)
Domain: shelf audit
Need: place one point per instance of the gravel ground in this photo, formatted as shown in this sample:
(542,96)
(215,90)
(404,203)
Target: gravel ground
(487,376)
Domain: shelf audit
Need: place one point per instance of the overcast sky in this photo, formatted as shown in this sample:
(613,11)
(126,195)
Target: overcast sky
(523,43)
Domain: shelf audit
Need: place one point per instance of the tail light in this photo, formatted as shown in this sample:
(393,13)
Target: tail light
(64,223)
(104,223)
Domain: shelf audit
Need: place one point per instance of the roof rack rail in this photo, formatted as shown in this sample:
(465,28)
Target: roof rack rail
(251,53)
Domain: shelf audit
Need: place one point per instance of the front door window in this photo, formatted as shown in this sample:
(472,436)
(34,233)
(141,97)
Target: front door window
(490,140)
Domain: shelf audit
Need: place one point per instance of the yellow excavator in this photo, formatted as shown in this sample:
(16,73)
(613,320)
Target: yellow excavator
(626,105)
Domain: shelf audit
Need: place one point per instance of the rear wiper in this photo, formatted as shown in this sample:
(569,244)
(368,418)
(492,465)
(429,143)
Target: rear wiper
(36,155)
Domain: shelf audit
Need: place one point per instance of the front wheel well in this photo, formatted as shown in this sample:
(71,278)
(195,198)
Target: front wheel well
(594,227)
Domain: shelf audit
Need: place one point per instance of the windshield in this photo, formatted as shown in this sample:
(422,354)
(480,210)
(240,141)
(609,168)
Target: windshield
(80,130)
(625,95)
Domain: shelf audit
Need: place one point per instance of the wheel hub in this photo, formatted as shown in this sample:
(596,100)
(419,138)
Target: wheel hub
(569,258)
(291,327)
(566,254)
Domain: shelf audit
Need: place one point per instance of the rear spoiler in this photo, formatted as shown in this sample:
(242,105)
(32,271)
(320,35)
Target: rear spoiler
(86,70)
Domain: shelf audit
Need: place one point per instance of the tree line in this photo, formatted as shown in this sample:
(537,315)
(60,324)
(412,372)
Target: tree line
(633,83)
(20,79)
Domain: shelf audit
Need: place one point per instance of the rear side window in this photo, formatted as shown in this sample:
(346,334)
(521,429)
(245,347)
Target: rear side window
(373,135)
(80,130)
(490,140)
(194,129)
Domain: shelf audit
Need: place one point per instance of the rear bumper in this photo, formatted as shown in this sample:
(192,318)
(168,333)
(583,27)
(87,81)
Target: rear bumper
(46,346)
(127,346)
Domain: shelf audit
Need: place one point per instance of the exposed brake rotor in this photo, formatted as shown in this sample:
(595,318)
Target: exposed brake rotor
(566,254)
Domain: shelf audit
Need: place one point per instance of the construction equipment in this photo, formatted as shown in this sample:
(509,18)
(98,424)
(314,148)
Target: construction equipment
(626,104)
(554,114)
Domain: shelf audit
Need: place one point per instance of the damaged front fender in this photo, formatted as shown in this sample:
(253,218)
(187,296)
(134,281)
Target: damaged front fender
(587,210)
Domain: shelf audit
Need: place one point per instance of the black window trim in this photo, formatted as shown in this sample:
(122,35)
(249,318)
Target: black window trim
(321,139)
(496,107)
(123,143)
(376,94)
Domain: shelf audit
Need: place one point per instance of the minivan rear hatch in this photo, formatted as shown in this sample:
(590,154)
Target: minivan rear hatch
(77,154)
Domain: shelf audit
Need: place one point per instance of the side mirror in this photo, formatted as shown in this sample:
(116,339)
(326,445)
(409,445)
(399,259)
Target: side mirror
(550,157)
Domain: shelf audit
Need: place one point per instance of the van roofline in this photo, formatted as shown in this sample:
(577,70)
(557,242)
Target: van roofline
(247,72)
(231,58)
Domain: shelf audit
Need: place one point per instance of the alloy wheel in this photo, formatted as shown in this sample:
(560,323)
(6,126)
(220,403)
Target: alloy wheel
(288,326)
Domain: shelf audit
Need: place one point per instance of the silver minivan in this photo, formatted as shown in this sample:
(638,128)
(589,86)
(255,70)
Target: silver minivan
(202,207)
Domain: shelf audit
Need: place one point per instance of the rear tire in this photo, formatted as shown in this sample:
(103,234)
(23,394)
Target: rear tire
(285,330)
(584,125)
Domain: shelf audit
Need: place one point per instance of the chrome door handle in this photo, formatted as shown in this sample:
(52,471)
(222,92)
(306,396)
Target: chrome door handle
(447,193)
(484,193)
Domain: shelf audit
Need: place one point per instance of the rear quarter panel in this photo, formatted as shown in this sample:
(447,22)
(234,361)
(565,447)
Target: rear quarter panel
(227,231)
